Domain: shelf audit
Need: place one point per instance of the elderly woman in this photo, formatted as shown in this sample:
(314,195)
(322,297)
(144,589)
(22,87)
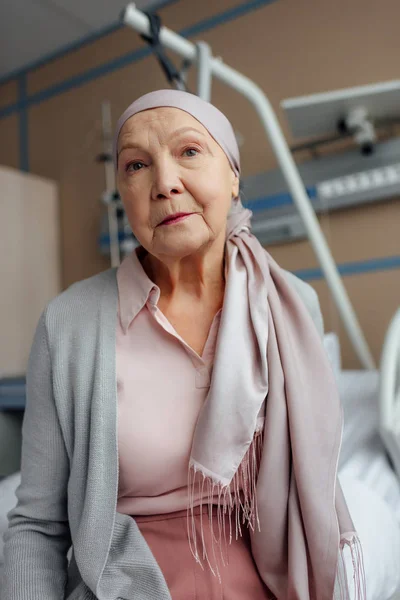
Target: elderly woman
(182,427)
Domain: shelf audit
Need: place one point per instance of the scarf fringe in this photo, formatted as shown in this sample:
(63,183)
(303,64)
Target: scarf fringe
(238,500)
(358,592)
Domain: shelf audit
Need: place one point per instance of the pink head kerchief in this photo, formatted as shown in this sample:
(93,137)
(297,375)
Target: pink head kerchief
(268,437)
(208,115)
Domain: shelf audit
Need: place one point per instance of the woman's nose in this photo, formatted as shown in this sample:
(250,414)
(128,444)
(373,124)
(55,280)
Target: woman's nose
(167,181)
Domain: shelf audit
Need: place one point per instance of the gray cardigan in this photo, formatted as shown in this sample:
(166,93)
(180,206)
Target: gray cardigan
(69,472)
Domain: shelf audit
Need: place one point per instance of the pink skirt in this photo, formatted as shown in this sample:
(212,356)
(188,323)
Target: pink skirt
(167,538)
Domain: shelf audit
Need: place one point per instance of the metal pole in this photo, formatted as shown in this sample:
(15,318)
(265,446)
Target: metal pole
(138,21)
(204,74)
(110,185)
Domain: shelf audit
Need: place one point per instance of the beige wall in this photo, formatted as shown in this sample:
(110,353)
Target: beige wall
(8,93)
(290,47)
(9,128)
(9,141)
(375,297)
(355,235)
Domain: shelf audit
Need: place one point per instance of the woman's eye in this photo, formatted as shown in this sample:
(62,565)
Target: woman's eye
(136,166)
(190,152)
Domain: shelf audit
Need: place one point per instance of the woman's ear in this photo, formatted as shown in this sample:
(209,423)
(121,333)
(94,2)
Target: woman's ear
(235,185)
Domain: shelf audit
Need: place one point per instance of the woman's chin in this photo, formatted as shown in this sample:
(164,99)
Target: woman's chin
(180,245)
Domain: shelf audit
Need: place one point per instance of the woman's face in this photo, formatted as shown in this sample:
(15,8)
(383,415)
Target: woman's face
(169,163)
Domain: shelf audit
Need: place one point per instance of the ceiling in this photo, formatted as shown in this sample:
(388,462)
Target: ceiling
(31,30)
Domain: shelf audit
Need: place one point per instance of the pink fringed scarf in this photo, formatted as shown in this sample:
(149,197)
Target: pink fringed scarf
(282,453)
(268,437)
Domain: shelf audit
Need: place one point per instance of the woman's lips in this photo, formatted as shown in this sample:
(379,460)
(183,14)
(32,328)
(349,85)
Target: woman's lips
(172,221)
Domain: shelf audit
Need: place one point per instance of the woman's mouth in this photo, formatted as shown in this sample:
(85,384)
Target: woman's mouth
(176,218)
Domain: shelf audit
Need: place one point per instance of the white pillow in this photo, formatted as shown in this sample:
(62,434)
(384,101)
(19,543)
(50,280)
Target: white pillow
(379,534)
(8,500)
(359,394)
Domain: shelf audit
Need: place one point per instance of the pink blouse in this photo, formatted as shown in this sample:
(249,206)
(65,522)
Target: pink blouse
(162,384)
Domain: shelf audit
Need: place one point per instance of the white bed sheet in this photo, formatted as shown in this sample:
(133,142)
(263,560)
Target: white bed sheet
(369,483)
(379,534)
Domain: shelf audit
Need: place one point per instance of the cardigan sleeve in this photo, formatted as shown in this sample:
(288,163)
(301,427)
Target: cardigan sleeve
(38,537)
